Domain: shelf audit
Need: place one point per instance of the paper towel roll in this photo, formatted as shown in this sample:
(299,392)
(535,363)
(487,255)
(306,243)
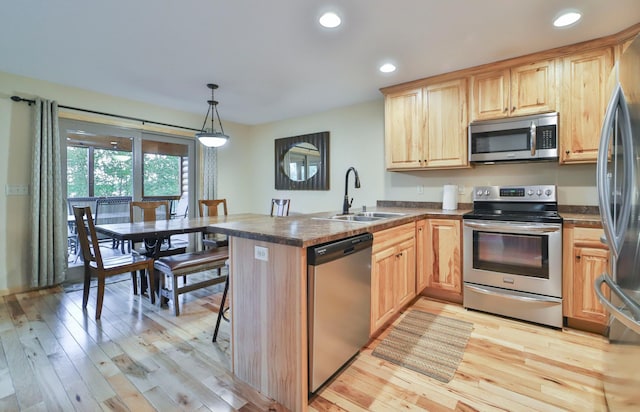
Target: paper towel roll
(450,197)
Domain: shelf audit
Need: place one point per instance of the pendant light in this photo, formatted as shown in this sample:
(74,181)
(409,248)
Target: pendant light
(212,137)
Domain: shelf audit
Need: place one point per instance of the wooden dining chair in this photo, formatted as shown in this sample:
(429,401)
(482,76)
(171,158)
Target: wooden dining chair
(101,268)
(149,211)
(211,207)
(280,207)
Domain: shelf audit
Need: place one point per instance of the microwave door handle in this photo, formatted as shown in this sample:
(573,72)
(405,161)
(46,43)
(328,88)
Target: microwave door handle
(532,139)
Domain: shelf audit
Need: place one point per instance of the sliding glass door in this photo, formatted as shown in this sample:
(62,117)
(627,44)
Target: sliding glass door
(108,166)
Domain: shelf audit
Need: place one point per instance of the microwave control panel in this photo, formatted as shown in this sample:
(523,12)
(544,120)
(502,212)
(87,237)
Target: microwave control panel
(546,137)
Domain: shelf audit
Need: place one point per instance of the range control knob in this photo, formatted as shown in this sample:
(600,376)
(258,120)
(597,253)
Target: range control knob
(548,192)
(487,192)
(539,192)
(479,192)
(530,192)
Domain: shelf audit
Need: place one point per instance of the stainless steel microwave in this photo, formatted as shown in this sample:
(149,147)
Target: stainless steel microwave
(524,138)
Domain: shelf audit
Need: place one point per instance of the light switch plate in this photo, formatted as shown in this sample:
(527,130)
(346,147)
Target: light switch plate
(16,190)
(261,253)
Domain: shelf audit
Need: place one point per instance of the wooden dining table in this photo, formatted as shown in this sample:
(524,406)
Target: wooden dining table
(152,234)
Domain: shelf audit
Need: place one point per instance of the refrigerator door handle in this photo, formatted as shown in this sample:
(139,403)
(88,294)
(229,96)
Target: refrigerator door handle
(614,229)
(633,307)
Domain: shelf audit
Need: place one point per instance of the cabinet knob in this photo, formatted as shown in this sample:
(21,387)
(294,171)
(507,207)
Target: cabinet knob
(506,109)
(567,152)
(513,109)
(578,257)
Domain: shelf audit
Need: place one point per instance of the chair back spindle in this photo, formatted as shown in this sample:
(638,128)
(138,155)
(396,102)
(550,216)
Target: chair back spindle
(210,207)
(280,207)
(87,236)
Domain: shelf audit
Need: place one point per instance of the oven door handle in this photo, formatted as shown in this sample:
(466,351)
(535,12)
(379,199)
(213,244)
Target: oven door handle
(509,295)
(512,227)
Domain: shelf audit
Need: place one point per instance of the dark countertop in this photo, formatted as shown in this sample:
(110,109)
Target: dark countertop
(313,229)
(581,219)
(580,215)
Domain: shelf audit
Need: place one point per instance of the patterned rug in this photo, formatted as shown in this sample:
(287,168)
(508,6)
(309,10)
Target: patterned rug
(430,344)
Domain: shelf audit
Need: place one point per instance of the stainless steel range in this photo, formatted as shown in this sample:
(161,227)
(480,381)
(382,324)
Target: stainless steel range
(513,253)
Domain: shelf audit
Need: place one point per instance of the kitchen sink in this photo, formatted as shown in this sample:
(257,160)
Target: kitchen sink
(362,217)
(379,215)
(355,218)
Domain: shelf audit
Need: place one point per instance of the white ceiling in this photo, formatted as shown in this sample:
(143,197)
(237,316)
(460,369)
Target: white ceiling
(270,57)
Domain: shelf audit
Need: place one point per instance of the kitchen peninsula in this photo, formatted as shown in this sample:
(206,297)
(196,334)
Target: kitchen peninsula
(268,267)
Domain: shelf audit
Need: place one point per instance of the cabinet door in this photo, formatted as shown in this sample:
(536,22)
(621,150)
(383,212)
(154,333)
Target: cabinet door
(584,259)
(583,100)
(445,106)
(490,95)
(533,88)
(443,255)
(589,263)
(405,278)
(404,129)
(421,255)
(383,301)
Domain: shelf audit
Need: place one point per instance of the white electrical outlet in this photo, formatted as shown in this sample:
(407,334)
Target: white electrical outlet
(261,253)
(16,190)
(420,189)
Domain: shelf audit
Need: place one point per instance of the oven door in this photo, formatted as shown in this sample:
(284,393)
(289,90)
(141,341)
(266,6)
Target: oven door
(521,256)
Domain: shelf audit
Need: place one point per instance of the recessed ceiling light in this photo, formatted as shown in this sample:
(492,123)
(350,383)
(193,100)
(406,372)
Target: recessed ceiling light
(567,18)
(330,20)
(387,68)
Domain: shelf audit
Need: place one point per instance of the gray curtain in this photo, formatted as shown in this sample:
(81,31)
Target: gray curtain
(209,168)
(48,210)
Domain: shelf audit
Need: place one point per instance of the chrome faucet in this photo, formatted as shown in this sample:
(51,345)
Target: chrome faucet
(347,203)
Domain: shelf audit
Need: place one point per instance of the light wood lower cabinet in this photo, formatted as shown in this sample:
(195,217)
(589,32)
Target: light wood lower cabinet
(439,258)
(393,272)
(585,259)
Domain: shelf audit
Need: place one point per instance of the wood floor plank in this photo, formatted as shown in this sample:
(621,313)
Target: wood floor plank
(142,357)
(22,375)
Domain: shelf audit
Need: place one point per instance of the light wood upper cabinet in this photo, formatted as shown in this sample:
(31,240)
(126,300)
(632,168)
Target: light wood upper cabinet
(445,108)
(583,101)
(585,258)
(439,258)
(516,91)
(393,272)
(426,127)
(404,129)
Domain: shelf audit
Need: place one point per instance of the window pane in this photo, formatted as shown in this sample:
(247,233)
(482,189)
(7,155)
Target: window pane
(112,173)
(77,172)
(161,175)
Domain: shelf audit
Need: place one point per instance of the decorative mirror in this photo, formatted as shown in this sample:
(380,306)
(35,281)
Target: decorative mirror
(302,162)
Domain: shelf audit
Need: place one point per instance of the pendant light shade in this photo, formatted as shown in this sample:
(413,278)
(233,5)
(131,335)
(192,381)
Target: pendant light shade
(212,137)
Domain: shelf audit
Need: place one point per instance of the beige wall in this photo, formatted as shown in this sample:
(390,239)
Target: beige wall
(15,165)
(246,164)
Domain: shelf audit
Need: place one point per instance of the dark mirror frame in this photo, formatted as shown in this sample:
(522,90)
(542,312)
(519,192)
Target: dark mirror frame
(319,181)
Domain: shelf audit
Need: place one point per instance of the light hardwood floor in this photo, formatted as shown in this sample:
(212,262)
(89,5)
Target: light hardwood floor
(140,357)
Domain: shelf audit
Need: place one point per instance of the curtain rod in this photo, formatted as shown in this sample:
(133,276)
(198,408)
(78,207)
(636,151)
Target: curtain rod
(30,102)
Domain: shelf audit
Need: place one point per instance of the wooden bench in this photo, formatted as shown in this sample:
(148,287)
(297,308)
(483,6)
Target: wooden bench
(188,263)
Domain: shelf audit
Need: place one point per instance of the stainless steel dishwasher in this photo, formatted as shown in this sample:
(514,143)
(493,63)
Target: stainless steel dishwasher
(339,304)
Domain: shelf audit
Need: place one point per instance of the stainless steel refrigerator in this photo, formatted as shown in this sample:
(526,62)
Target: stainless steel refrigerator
(618,183)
